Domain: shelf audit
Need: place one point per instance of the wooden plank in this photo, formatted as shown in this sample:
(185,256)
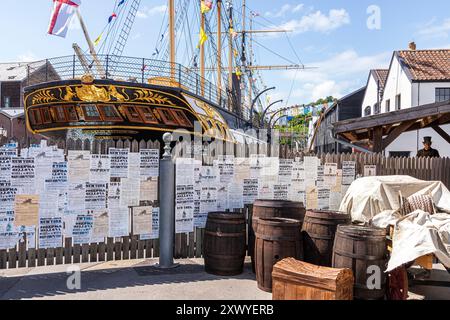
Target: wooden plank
(141,248)
(177,253)
(118,249)
(156,248)
(3,259)
(133,247)
(184,245)
(126,248)
(76,253)
(93,252)
(68,251)
(50,256)
(31,257)
(22,254)
(41,257)
(191,253)
(101,251)
(12,258)
(85,253)
(148,249)
(110,249)
(59,256)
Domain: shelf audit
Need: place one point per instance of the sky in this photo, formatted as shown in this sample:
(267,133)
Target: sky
(340,40)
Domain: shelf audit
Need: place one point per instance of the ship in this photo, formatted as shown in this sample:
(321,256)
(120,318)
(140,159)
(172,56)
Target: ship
(111,96)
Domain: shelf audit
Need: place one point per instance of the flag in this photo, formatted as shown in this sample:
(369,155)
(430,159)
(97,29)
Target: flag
(203,38)
(206,6)
(112,17)
(121,3)
(97,41)
(63,11)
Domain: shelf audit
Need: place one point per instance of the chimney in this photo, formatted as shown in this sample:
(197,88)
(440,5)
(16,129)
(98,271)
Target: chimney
(412,46)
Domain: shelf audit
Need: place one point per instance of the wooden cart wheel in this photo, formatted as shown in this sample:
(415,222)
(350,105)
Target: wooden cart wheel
(397,288)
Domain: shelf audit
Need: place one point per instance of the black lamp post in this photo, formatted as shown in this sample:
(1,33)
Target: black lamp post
(267,109)
(254,102)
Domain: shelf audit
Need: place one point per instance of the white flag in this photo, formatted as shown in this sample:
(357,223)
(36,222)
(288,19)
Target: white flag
(63,11)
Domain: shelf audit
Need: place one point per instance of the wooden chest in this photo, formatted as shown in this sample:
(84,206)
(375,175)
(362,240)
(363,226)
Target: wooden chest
(298,280)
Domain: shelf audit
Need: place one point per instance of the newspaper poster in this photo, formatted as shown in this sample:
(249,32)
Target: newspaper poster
(323,198)
(369,170)
(311,197)
(285,171)
(119,162)
(59,178)
(23,175)
(130,192)
(149,190)
(78,165)
(9,153)
(118,215)
(26,210)
(335,200)
(280,191)
(95,196)
(8,240)
(311,164)
(208,198)
(250,190)
(48,205)
(185,171)
(50,232)
(142,220)
(225,169)
(348,172)
(221,198)
(82,229)
(184,208)
(6,220)
(155,227)
(256,166)
(5,168)
(320,176)
(100,228)
(235,196)
(100,168)
(43,159)
(149,164)
(330,173)
(265,190)
(76,195)
(270,169)
(30,233)
(241,169)
(7,197)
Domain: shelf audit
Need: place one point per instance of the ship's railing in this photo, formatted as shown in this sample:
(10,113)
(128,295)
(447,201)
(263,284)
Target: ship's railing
(136,70)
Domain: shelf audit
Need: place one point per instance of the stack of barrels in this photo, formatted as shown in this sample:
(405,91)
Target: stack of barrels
(277,229)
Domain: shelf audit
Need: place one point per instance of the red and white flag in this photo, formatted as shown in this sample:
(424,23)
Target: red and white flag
(63,11)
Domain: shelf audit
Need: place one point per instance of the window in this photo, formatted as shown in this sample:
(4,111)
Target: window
(182,118)
(388,105)
(367,111)
(109,113)
(91,113)
(442,94)
(46,117)
(7,102)
(147,115)
(376,108)
(72,114)
(133,115)
(35,116)
(167,117)
(398,102)
(59,114)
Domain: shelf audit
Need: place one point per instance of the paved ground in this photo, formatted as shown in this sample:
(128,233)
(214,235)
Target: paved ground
(138,280)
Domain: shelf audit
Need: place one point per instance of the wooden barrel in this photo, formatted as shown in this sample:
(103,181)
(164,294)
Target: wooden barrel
(319,229)
(276,239)
(267,209)
(364,251)
(224,243)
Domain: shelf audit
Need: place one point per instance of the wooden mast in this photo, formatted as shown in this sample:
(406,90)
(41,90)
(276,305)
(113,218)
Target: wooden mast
(202,55)
(230,57)
(172,38)
(219,47)
(100,69)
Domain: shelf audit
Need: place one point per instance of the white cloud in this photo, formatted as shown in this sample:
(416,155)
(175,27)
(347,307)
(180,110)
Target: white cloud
(27,57)
(146,12)
(318,22)
(286,8)
(336,76)
(433,30)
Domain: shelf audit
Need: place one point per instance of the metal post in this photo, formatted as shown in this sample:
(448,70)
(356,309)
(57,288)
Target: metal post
(254,102)
(107,66)
(167,207)
(73,67)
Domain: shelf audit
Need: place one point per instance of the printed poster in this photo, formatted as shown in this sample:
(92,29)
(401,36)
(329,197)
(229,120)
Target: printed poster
(26,210)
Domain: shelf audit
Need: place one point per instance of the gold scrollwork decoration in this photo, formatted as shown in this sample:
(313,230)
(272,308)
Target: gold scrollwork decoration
(44,96)
(149,96)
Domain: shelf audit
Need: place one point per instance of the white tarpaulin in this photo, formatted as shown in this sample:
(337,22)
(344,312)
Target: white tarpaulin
(419,234)
(369,196)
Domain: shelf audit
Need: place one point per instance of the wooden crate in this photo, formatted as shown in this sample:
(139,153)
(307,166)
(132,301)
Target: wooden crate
(298,280)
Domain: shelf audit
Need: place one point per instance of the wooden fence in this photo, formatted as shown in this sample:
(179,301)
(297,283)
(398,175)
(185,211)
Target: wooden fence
(190,245)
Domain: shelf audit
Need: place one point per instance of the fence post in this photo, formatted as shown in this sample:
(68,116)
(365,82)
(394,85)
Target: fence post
(167,207)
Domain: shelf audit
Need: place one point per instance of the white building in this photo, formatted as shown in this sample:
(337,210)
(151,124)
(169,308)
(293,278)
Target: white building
(415,78)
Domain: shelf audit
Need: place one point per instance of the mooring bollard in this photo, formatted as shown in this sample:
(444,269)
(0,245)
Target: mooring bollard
(167,206)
